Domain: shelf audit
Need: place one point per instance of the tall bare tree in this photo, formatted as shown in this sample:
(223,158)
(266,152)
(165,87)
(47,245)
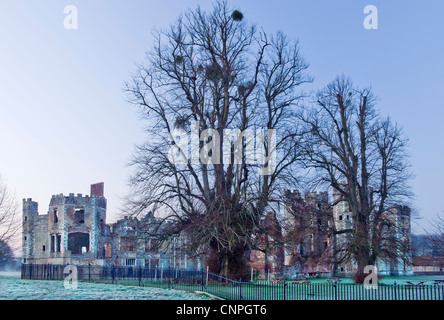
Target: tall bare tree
(9,219)
(209,72)
(362,156)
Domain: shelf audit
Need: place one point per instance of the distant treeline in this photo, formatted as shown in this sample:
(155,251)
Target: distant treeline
(8,262)
(422,245)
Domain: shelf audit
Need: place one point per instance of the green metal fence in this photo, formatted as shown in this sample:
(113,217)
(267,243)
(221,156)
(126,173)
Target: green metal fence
(226,288)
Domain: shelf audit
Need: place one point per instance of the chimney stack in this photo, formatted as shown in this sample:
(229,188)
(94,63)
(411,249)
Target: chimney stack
(97,189)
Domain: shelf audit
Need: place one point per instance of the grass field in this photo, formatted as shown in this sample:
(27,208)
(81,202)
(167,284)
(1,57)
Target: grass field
(401,280)
(14,288)
(314,289)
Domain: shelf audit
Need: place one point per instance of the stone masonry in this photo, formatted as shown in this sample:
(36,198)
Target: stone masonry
(74,231)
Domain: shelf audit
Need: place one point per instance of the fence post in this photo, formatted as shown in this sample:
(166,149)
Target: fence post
(206,283)
(335,290)
(89,272)
(202,270)
(442,292)
(396,289)
(285,285)
(161,274)
(169,278)
(240,289)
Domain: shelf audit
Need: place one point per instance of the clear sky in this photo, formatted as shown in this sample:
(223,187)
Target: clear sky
(65,124)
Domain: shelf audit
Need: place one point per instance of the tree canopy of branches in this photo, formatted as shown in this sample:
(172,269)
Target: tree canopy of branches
(348,146)
(9,217)
(435,236)
(212,71)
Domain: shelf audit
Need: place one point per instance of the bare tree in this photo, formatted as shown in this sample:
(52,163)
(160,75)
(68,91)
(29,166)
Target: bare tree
(209,72)
(9,219)
(350,148)
(435,236)
(6,255)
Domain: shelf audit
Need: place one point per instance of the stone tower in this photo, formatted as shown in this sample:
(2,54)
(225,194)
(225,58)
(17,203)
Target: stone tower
(71,229)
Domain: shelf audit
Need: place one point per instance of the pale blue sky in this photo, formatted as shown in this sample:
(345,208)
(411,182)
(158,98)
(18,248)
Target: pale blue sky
(64,121)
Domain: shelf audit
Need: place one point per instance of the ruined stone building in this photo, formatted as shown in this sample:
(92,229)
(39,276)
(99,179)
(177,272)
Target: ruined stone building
(135,243)
(307,222)
(395,233)
(74,231)
(269,255)
(297,244)
(310,246)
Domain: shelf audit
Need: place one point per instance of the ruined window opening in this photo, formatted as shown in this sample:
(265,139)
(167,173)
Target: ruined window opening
(152,246)
(108,249)
(127,244)
(348,217)
(59,242)
(404,223)
(26,238)
(26,218)
(340,217)
(102,228)
(79,216)
(78,242)
(52,243)
(56,215)
(44,248)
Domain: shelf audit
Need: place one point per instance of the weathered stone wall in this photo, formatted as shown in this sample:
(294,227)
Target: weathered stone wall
(74,231)
(47,238)
(307,222)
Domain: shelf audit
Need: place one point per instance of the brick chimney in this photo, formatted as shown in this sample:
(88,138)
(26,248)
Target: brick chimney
(97,189)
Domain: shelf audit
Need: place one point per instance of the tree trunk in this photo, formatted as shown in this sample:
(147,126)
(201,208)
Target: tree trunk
(362,249)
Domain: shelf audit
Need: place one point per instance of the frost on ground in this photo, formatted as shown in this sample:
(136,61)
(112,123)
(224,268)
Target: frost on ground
(14,288)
